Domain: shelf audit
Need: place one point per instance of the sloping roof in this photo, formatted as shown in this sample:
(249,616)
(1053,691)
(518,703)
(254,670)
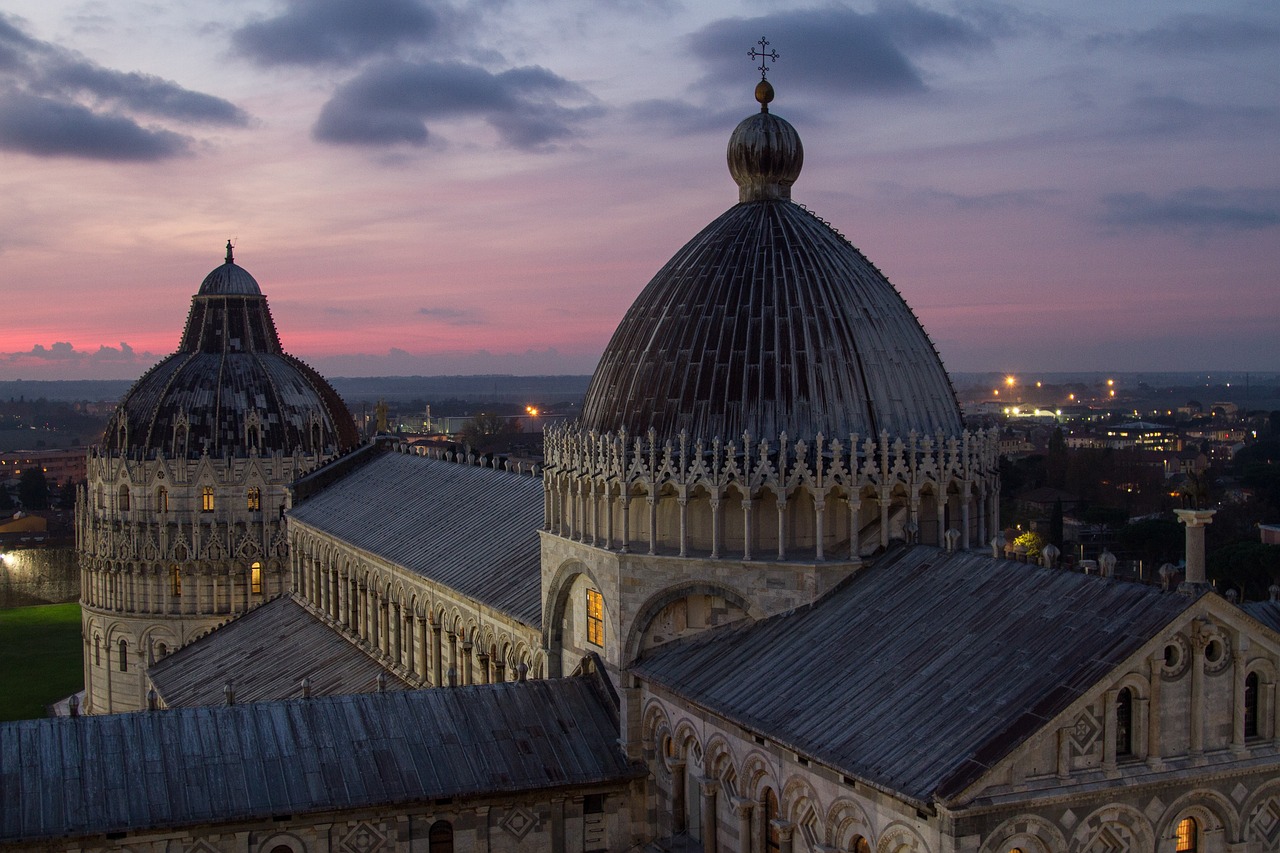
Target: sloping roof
(91,775)
(472,529)
(1266,612)
(265,654)
(921,671)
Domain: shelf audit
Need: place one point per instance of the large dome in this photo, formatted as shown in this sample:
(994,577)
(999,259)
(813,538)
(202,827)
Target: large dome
(769,321)
(230,389)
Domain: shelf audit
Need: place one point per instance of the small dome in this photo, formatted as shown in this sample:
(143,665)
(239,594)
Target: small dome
(229,280)
(230,389)
(765,157)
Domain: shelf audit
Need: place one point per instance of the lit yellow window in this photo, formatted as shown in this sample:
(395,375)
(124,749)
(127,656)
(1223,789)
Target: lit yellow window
(595,618)
(206,499)
(1188,836)
(255,499)
(255,578)
(175,580)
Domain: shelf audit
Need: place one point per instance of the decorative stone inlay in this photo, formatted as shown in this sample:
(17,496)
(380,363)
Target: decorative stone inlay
(1239,792)
(519,822)
(364,838)
(1069,819)
(1154,809)
(1265,822)
(1084,734)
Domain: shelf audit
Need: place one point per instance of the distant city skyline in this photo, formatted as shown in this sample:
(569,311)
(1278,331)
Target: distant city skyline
(483,187)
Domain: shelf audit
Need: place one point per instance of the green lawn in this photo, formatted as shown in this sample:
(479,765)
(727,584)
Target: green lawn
(40,658)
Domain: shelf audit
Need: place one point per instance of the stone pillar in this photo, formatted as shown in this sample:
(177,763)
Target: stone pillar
(625,499)
(715,527)
(684,525)
(855,525)
(942,519)
(436,671)
(1199,639)
(710,787)
(1238,675)
(653,520)
(557,825)
(424,650)
(746,529)
(742,809)
(1109,730)
(819,532)
(1156,665)
(1196,520)
(885,500)
(468,673)
(785,830)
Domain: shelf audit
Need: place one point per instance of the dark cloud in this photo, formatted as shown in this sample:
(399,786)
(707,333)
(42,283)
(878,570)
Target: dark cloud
(1162,115)
(1200,34)
(336,32)
(391,103)
(49,128)
(65,352)
(55,103)
(684,118)
(838,49)
(453,316)
(1200,209)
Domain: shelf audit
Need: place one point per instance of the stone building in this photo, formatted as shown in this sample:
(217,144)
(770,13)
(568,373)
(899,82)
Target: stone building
(180,525)
(761,548)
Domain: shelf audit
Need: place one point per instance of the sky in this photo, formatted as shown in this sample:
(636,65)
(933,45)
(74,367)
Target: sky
(484,186)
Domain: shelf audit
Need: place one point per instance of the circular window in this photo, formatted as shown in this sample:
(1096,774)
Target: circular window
(1177,657)
(1217,654)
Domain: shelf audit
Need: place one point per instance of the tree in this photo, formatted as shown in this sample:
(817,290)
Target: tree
(487,432)
(33,489)
(1033,542)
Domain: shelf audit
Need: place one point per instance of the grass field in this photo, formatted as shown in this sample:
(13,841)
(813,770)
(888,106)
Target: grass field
(40,658)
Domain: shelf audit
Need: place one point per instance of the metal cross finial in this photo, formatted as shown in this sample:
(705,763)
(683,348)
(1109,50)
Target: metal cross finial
(763,56)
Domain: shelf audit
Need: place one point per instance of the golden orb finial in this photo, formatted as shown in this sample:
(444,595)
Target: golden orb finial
(764,94)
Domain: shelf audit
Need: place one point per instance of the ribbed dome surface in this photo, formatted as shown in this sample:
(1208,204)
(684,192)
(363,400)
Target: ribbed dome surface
(768,322)
(230,387)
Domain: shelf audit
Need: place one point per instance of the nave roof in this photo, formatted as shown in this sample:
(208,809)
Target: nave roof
(77,776)
(922,671)
(472,529)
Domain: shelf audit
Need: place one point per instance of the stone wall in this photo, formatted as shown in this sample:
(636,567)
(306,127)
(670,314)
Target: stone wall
(31,576)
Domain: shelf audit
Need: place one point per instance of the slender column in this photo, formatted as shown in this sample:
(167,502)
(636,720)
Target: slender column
(982,518)
(453,652)
(942,520)
(384,626)
(483,660)
(653,521)
(819,532)
(594,499)
(424,648)
(397,638)
(746,529)
(1109,730)
(855,525)
(885,499)
(1241,641)
(608,518)
(626,519)
(710,787)
(715,527)
(1199,639)
(964,519)
(435,655)
(468,673)
(782,526)
(684,525)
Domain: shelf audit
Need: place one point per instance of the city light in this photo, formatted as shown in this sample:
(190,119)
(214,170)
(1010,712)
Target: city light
(532,411)
(1010,381)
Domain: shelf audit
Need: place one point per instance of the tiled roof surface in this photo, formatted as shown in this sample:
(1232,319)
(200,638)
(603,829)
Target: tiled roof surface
(266,654)
(67,777)
(923,670)
(472,529)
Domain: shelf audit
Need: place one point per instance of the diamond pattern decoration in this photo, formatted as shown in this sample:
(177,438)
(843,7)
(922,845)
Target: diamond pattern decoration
(1069,819)
(364,838)
(519,822)
(1154,809)
(1266,822)
(1239,792)
(1107,841)
(1084,734)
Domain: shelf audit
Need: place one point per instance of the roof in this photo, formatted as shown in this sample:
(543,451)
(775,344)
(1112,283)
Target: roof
(1266,612)
(931,667)
(769,321)
(230,369)
(76,776)
(470,528)
(265,654)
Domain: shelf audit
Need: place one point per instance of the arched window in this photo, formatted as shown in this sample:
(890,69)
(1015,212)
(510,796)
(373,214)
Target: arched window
(255,577)
(101,497)
(595,618)
(282,848)
(162,499)
(162,651)
(97,650)
(124,656)
(124,498)
(773,835)
(1251,705)
(255,499)
(440,837)
(1124,722)
(175,580)
(860,845)
(1188,836)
